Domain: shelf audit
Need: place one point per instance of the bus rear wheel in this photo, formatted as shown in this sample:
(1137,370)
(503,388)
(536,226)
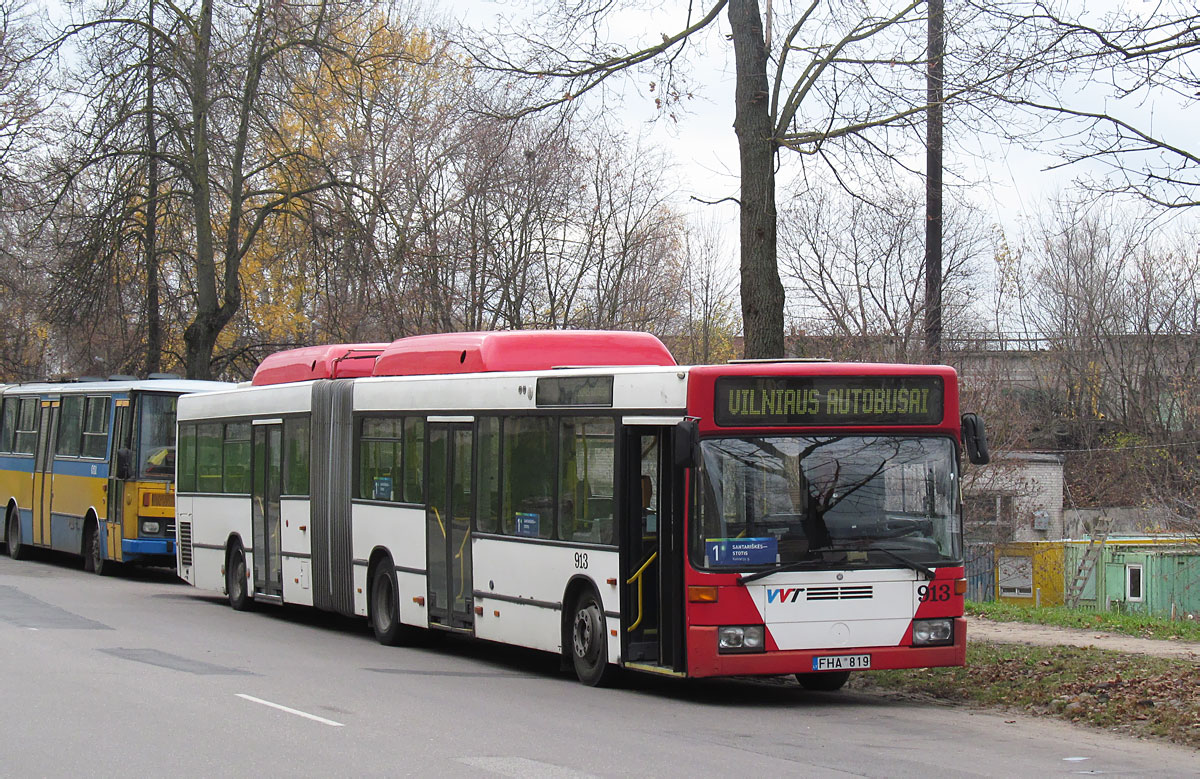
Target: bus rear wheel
(589,641)
(829,681)
(93,550)
(385,606)
(235,580)
(16,550)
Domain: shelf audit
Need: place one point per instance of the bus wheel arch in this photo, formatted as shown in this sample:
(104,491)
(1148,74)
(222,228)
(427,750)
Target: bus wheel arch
(383,600)
(94,560)
(585,633)
(237,574)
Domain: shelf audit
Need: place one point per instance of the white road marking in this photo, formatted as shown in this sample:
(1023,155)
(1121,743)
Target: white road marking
(297,712)
(522,767)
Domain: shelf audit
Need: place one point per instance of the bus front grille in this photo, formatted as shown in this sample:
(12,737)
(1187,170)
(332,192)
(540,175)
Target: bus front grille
(843,592)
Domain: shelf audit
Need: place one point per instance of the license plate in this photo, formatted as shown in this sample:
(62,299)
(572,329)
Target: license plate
(841,662)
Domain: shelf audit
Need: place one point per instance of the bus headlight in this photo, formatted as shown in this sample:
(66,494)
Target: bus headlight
(933,632)
(740,638)
(151,527)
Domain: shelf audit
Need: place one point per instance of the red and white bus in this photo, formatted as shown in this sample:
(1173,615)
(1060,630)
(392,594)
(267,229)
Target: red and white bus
(580,493)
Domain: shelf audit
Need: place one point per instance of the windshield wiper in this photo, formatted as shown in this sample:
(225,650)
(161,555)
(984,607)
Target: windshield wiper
(793,566)
(913,564)
(797,565)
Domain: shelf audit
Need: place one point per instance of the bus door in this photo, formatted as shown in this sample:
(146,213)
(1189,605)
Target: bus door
(266,487)
(651,550)
(116,485)
(43,476)
(448,526)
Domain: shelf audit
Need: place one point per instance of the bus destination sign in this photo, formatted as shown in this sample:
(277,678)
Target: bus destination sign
(828,400)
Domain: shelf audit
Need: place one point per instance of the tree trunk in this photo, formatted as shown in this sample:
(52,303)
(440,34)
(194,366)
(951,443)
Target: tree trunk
(201,335)
(762,291)
(153,320)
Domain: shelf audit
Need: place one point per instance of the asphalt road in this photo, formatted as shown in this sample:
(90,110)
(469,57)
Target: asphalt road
(140,675)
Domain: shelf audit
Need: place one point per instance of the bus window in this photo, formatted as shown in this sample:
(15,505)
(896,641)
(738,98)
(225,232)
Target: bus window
(156,436)
(414,459)
(208,458)
(379,458)
(487,511)
(27,426)
(236,462)
(187,459)
(8,424)
(586,488)
(95,427)
(295,456)
(70,426)
(529,477)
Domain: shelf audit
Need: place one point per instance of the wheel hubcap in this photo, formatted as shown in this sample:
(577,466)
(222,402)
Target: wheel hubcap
(583,637)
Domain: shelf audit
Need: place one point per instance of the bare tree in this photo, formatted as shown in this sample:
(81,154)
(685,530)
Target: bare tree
(858,271)
(1116,301)
(1095,77)
(709,319)
(836,82)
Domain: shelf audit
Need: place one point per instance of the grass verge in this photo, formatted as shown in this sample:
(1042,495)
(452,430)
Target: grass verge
(1128,624)
(1135,694)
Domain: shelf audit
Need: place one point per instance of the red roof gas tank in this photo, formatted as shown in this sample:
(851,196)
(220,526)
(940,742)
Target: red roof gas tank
(518,350)
(330,361)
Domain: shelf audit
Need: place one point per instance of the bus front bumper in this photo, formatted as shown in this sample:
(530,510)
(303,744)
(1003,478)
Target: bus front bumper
(134,548)
(705,660)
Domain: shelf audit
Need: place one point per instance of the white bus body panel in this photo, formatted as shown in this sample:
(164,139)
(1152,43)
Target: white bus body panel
(296,546)
(634,388)
(261,402)
(401,531)
(220,516)
(538,573)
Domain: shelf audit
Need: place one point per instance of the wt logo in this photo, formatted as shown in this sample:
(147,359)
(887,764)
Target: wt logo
(782,595)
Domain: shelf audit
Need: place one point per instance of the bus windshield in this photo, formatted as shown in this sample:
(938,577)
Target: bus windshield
(156,436)
(838,501)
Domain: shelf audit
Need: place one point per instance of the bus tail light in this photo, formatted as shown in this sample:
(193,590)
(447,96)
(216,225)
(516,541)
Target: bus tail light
(960,586)
(697,594)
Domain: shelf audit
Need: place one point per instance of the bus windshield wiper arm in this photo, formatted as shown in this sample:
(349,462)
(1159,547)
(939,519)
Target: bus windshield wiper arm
(793,566)
(913,564)
(907,563)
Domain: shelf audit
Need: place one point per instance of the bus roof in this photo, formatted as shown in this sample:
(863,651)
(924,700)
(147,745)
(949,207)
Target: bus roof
(178,386)
(328,361)
(519,350)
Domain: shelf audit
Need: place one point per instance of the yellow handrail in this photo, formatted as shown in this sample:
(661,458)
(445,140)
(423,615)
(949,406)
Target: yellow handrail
(638,578)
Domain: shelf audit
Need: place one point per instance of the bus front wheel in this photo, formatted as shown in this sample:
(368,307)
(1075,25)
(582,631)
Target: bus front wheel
(16,550)
(829,681)
(235,580)
(589,641)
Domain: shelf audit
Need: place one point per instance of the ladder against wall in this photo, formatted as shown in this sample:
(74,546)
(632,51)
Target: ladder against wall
(1091,556)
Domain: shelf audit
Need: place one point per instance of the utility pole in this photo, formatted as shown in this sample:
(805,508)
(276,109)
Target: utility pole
(153,321)
(933,183)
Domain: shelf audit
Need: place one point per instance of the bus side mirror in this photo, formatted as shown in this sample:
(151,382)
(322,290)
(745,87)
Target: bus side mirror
(685,439)
(975,439)
(124,464)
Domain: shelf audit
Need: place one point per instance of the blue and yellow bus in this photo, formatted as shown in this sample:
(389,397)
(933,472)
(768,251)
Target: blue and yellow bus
(88,468)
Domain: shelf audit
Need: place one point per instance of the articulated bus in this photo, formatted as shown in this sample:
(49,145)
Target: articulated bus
(88,468)
(580,493)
